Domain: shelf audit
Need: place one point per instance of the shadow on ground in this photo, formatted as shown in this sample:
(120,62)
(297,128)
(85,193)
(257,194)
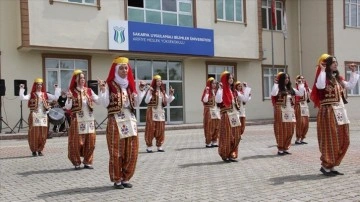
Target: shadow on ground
(81,190)
(294,178)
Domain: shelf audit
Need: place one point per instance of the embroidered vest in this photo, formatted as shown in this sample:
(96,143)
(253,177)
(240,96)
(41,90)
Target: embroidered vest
(331,93)
(235,102)
(155,99)
(34,101)
(116,101)
(211,100)
(299,99)
(280,99)
(77,99)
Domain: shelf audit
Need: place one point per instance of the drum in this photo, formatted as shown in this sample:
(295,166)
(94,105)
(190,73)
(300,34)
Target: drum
(56,116)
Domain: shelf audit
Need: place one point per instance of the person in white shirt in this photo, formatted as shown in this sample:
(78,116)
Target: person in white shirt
(82,135)
(244,95)
(156,99)
(38,103)
(119,95)
(328,94)
(283,96)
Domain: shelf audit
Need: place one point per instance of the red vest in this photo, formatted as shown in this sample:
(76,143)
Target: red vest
(211,100)
(34,101)
(77,99)
(116,105)
(331,93)
(155,99)
(236,103)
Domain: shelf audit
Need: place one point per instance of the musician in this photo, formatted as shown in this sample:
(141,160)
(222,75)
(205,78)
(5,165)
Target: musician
(38,102)
(156,99)
(82,136)
(120,96)
(211,114)
(61,103)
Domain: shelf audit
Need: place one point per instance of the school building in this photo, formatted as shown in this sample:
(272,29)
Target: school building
(185,41)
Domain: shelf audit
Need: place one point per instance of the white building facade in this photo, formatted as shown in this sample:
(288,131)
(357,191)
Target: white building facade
(185,41)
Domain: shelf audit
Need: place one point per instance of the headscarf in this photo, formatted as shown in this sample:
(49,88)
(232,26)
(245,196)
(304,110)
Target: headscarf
(153,83)
(74,79)
(208,85)
(314,96)
(114,75)
(227,94)
(43,89)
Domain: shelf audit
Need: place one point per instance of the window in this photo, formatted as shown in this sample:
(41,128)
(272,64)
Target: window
(216,70)
(266,14)
(268,73)
(356,90)
(167,12)
(352,13)
(230,10)
(59,71)
(171,75)
(88,2)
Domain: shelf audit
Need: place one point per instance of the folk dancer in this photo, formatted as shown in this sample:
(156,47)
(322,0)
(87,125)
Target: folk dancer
(332,120)
(302,111)
(82,134)
(230,127)
(121,97)
(244,95)
(38,103)
(211,115)
(156,99)
(283,97)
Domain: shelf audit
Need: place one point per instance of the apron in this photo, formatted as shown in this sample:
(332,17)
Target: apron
(288,112)
(86,124)
(126,123)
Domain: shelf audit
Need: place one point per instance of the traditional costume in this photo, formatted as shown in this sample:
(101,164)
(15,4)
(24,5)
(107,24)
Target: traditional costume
(283,96)
(120,98)
(82,134)
(230,128)
(302,112)
(211,115)
(156,100)
(38,103)
(332,120)
(244,95)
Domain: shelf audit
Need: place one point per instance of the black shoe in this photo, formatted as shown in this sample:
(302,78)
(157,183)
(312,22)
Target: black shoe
(208,146)
(149,151)
(226,160)
(296,142)
(161,150)
(88,167)
(233,160)
(127,185)
(336,172)
(40,154)
(280,153)
(118,186)
(34,154)
(286,152)
(77,167)
(214,145)
(302,142)
(329,174)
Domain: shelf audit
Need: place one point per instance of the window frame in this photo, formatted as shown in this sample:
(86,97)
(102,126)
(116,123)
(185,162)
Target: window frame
(279,24)
(348,3)
(161,11)
(64,57)
(243,13)
(277,68)
(219,64)
(347,76)
(167,83)
(95,4)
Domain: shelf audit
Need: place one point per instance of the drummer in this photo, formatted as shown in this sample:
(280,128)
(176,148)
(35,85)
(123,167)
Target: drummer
(80,100)
(61,104)
(38,102)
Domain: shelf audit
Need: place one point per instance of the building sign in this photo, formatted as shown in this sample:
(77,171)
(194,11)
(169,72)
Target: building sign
(147,37)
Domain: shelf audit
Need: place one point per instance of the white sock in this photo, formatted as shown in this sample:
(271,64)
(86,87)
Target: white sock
(327,170)
(149,148)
